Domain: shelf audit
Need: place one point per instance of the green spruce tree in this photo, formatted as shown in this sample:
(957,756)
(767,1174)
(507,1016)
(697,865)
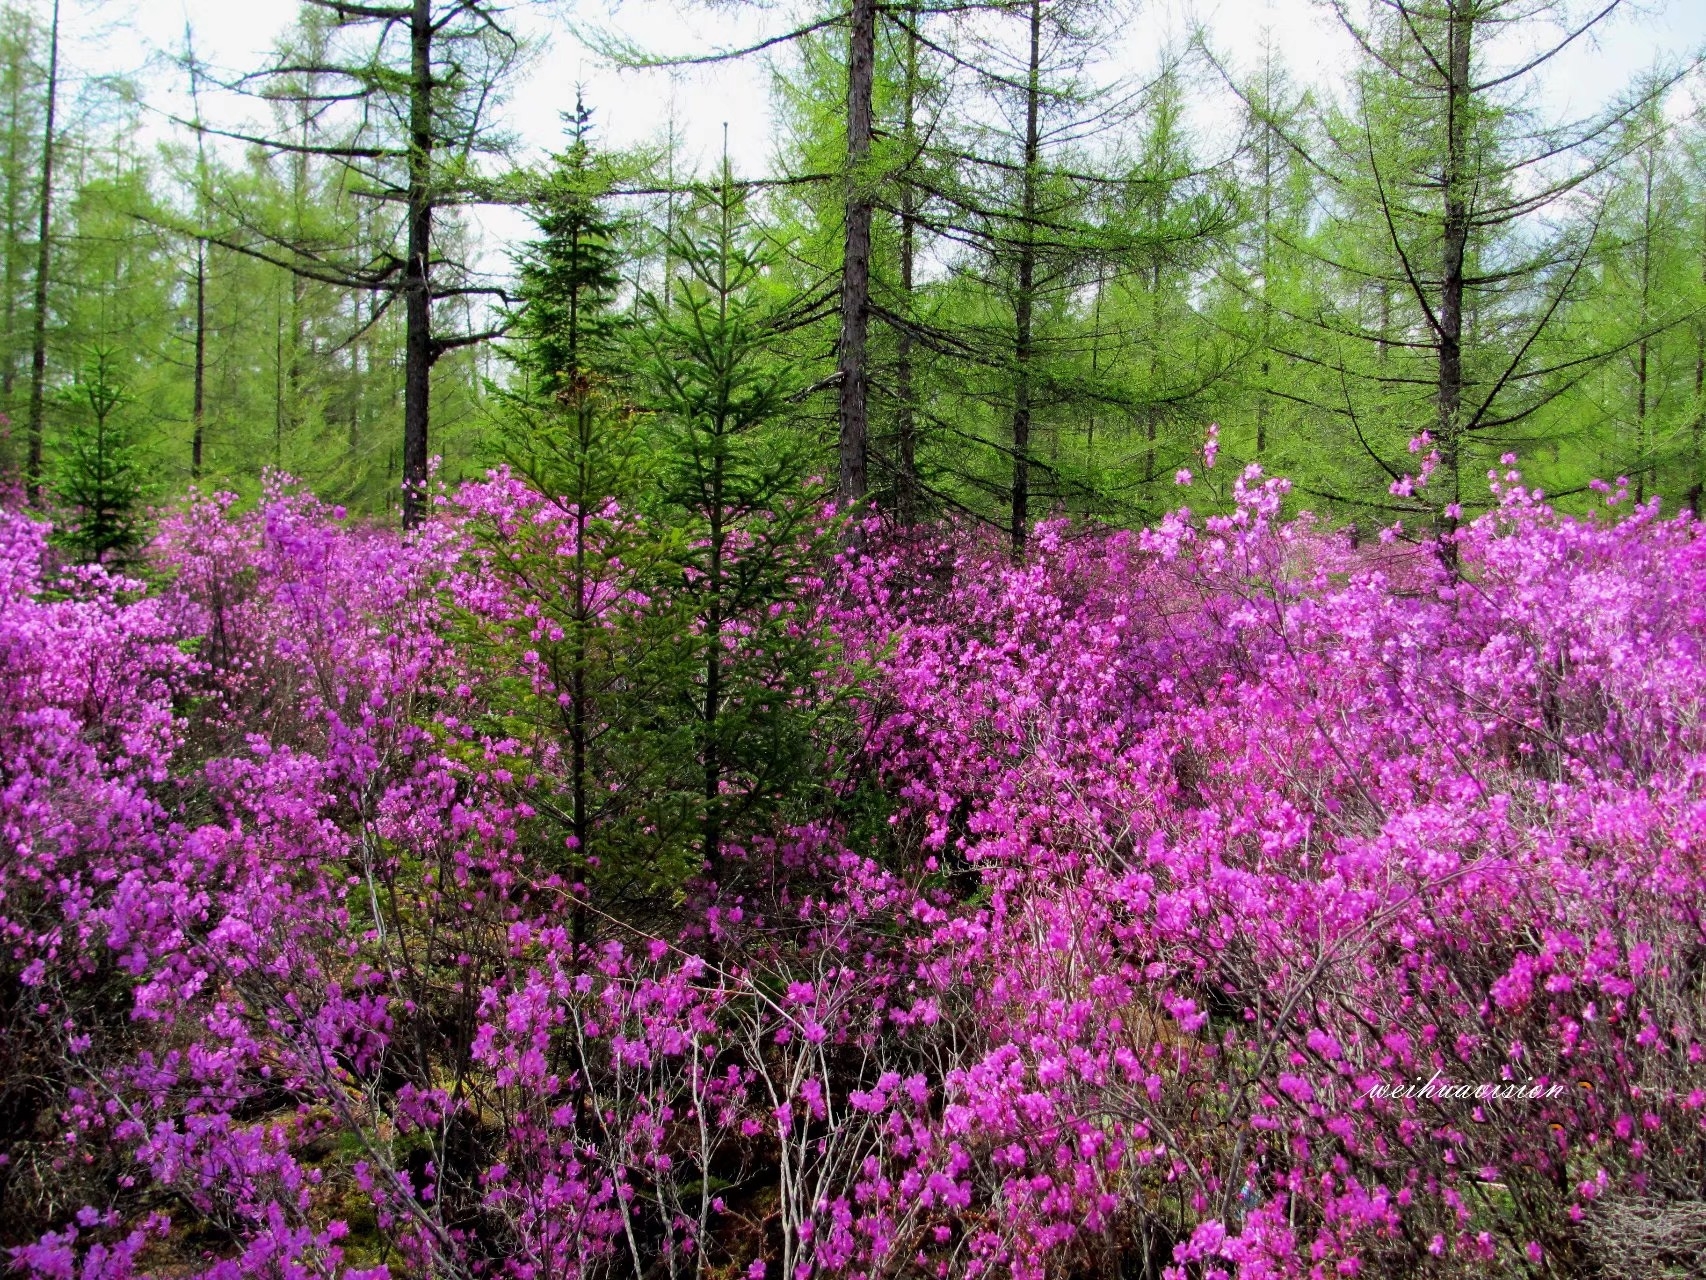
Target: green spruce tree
(579,666)
(732,481)
(567,327)
(99,478)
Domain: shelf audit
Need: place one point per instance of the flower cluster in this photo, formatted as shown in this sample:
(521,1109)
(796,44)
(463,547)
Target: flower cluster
(1152,881)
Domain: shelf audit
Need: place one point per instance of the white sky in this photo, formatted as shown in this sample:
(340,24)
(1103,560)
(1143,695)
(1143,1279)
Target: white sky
(118,35)
(128,36)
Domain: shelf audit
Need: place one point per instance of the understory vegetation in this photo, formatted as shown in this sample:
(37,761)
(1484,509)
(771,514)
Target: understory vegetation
(399,904)
(1018,697)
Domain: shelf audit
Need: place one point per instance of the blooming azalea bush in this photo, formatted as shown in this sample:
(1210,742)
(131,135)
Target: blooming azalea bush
(1221,899)
(1267,828)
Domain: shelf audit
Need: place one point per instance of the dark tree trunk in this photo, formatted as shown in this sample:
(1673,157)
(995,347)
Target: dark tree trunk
(856,257)
(198,401)
(1697,429)
(712,848)
(577,693)
(1263,394)
(1460,24)
(278,378)
(417,279)
(1025,301)
(906,423)
(1095,374)
(14,218)
(44,251)
(1643,348)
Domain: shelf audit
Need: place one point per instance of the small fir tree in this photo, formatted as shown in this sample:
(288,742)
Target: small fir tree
(100,479)
(566,328)
(731,479)
(574,666)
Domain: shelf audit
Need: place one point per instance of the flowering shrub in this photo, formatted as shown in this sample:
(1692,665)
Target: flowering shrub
(1222,899)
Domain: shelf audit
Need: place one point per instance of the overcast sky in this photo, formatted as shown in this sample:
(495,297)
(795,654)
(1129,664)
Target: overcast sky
(117,35)
(124,35)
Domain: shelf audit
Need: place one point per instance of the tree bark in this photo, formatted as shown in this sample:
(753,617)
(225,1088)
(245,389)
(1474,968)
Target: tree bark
(1460,29)
(198,395)
(906,427)
(1697,428)
(44,254)
(14,218)
(198,403)
(1095,373)
(856,256)
(278,378)
(1643,348)
(1025,301)
(578,718)
(712,847)
(417,280)
(1267,251)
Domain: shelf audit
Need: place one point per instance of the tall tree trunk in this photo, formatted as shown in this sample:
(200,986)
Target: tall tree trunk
(44,252)
(198,394)
(14,219)
(856,255)
(712,849)
(1025,301)
(1264,392)
(1095,377)
(1697,430)
(278,378)
(1262,405)
(417,281)
(1643,348)
(361,352)
(1383,343)
(906,425)
(1460,29)
(295,407)
(578,718)
(357,375)
(1151,429)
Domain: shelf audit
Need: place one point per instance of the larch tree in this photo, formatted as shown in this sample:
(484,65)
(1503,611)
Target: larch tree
(44,263)
(20,154)
(1044,206)
(1265,275)
(400,99)
(1454,271)
(1647,295)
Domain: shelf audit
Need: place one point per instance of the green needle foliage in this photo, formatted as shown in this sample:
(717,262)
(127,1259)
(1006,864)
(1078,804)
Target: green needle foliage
(99,481)
(567,326)
(1071,267)
(753,535)
(580,677)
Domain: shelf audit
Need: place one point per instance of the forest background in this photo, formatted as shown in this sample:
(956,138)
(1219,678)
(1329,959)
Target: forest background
(1088,232)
